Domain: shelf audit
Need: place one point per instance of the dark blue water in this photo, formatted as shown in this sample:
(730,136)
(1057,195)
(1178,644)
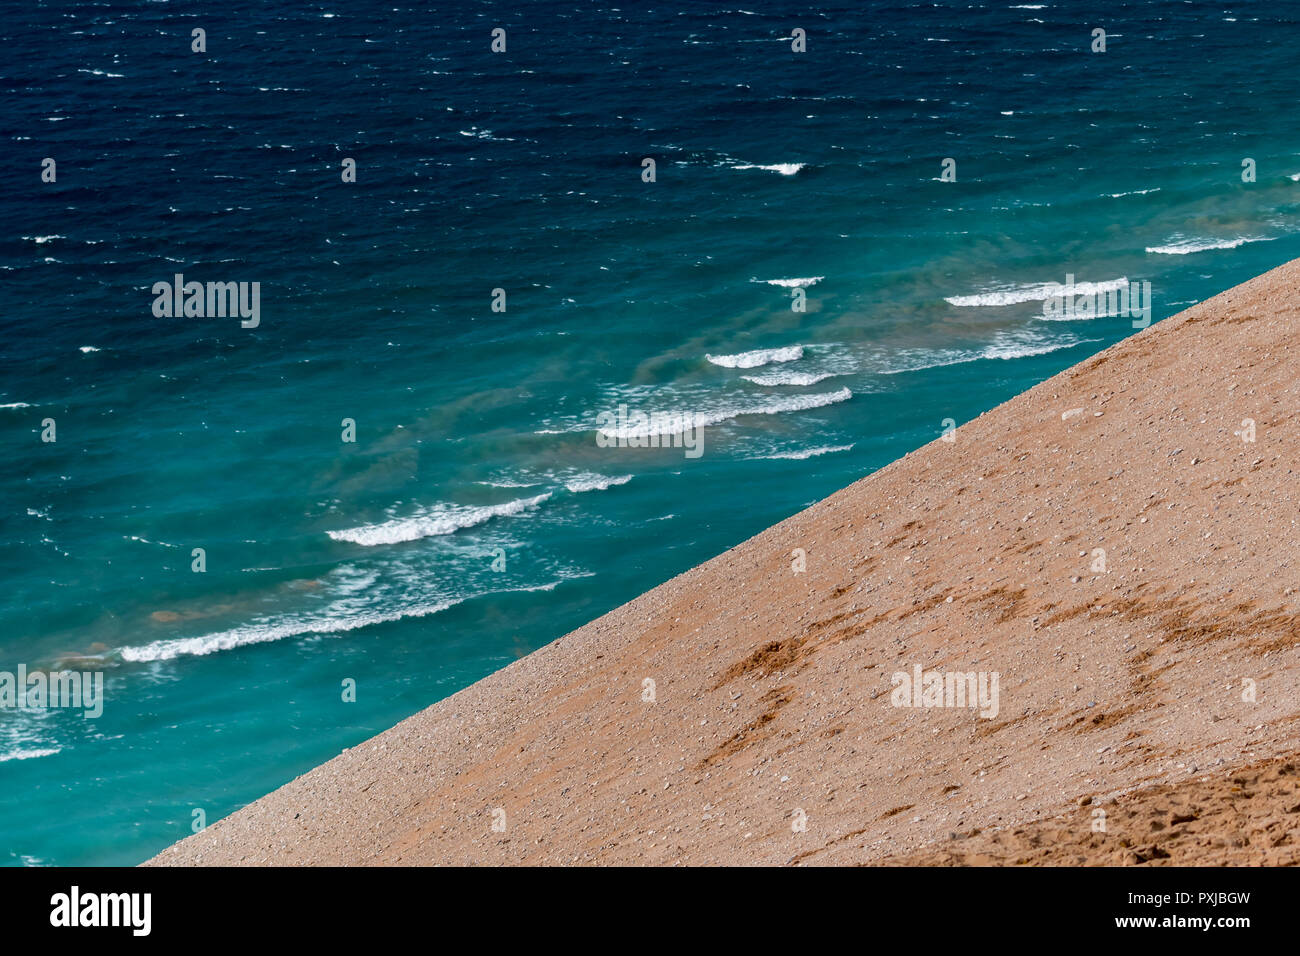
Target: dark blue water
(475,517)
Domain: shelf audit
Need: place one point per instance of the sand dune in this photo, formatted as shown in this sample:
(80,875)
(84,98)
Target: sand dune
(1139,682)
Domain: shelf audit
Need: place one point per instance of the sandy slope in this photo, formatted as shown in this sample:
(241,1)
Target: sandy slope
(1251,816)
(773,688)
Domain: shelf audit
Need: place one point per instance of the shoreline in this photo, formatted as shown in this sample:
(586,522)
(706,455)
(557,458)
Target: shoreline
(773,664)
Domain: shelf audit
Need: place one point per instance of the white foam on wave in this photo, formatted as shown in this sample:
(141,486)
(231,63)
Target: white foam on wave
(792,283)
(443,519)
(674,423)
(30,754)
(1183,247)
(136,537)
(805,453)
(591,482)
(346,614)
(1101,313)
(266,632)
(1013,295)
(786,377)
(785,169)
(758,357)
(85,349)
(1005,346)
(16,405)
(475,133)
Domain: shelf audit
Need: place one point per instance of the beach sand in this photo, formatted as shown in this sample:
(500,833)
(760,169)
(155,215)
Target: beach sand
(1163,690)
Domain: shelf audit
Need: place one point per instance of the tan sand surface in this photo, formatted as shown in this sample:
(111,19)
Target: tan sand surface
(1250,817)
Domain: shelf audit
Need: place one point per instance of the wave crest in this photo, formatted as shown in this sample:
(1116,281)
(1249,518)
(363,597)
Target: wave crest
(1183,247)
(445,519)
(1034,293)
(758,357)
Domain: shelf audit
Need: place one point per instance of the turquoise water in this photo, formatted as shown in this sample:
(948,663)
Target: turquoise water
(475,518)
